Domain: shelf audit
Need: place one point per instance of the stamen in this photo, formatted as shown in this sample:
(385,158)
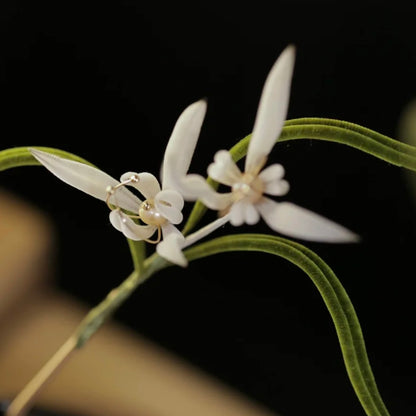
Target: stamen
(149,214)
(250,187)
(111,190)
(159,236)
(134,178)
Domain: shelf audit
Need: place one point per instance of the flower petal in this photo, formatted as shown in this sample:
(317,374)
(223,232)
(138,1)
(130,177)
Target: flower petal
(224,170)
(272,180)
(168,229)
(182,143)
(169,203)
(272,110)
(272,173)
(237,212)
(171,250)
(243,212)
(147,185)
(129,228)
(193,187)
(86,178)
(298,222)
(204,231)
(171,246)
(251,215)
(172,197)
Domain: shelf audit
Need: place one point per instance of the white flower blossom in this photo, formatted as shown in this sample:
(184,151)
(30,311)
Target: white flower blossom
(161,209)
(246,202)
(158,212)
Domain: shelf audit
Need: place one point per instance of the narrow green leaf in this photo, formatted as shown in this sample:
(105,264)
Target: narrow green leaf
(350,134)
(336,299)
(398,145)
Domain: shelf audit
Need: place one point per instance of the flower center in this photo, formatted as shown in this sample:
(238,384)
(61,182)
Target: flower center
(250,187)
(149,214)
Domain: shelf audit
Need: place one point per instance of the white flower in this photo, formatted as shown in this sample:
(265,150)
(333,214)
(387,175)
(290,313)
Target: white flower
(158,212)
(161,209)
(246,202)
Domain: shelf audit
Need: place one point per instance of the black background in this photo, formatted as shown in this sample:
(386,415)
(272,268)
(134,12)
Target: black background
(107,81)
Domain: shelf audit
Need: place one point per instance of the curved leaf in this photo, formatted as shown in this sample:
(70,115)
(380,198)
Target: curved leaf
(336,299)
(399,146)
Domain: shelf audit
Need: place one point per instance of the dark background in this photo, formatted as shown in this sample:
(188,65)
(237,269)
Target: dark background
(107,81)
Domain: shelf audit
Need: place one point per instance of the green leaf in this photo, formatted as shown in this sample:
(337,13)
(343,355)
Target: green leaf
(381,139)
(339,305)
(343,132)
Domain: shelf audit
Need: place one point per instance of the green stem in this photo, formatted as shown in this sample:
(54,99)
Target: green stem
(99,314)
(138,253)
(89,326)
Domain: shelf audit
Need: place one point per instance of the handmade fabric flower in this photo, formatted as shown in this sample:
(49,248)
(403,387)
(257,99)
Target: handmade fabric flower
(136,219)
(160,210)
(246,202)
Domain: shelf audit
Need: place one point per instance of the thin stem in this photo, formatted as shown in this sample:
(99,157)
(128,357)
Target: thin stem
(89,325)
(23,401)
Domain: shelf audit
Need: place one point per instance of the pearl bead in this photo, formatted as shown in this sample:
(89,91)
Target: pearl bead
(149,214)
(250,187)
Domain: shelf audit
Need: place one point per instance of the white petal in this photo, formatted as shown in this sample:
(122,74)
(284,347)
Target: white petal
(193,187)
(298,222)
(243,212)
(251,215)
(170,249)
(182,143)
(147,184)
(86,178)
(278,188)
(168,229)
(129,228)
(272,180)
(171,246)
(272,110)
(272,173)
(237,213)
(169,203)
(204,231)
(224,170)
(172,197)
